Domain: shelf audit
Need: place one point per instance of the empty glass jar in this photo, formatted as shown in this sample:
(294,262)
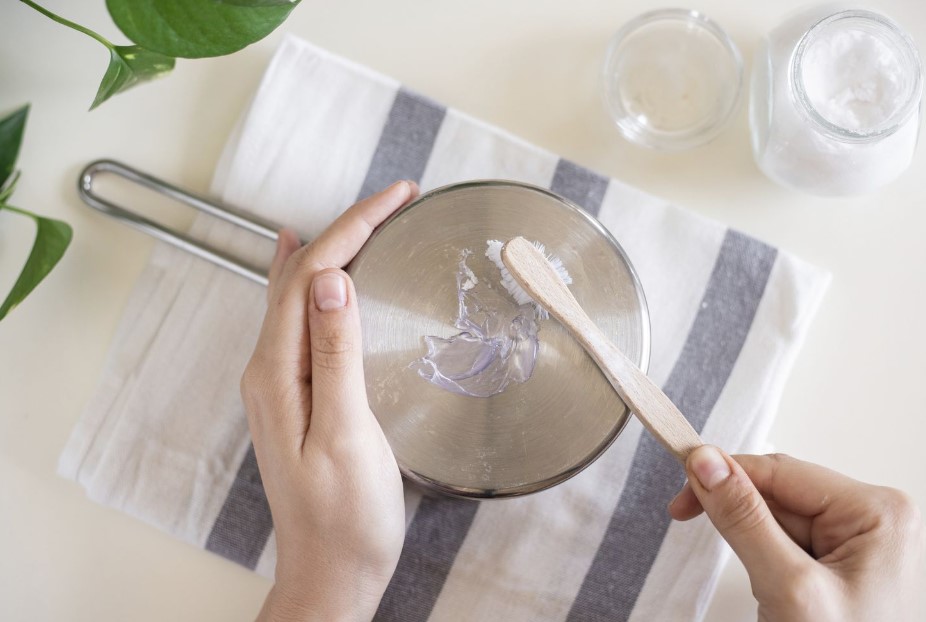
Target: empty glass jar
(835,102)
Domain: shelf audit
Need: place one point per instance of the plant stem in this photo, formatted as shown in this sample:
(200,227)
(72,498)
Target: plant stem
(17,210)
(68,23)
(6,190)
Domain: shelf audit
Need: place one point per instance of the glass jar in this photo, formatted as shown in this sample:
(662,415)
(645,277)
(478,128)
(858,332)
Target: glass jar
(835,102)
(672,79)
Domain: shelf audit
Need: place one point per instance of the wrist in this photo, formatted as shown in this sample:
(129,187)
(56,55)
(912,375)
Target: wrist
(353,598)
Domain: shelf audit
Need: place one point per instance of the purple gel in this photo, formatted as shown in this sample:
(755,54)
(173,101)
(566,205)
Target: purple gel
(497,344)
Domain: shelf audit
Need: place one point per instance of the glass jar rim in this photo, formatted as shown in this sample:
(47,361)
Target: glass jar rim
(903,112)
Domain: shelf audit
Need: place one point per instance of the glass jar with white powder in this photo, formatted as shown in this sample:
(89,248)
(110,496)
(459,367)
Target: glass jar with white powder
(835,102)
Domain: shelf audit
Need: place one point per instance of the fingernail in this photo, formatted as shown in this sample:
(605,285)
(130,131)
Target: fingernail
(709,466)
(675,498)
(330,291)
(403,187)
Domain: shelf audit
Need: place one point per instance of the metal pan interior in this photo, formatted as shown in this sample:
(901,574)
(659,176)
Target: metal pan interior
(535,434)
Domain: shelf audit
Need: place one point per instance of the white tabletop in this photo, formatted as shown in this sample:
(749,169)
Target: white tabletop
(530,66)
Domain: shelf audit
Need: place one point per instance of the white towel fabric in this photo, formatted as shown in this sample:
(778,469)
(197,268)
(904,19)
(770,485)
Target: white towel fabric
(165,437)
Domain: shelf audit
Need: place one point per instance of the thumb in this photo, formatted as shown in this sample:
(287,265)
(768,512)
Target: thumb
(742,517)
(338,387)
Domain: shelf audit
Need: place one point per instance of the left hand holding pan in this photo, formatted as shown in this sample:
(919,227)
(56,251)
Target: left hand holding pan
(331,480)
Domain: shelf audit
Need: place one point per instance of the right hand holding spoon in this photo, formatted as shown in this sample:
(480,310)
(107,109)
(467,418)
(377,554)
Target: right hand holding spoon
(817,545)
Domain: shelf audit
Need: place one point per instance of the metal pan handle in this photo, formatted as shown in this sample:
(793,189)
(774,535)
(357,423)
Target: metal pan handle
(166,234)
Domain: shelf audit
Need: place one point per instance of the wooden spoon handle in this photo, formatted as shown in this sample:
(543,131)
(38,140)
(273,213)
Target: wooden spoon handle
(641,395)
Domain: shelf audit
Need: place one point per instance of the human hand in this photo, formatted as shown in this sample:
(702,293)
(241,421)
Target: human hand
(817,545)
(331,480)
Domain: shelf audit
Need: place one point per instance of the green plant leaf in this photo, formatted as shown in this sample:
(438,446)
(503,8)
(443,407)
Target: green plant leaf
(256,2)
(11,136)
(51,240)
(129,65)
(195,28)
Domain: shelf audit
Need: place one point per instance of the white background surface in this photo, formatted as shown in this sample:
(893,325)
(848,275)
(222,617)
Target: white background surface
(854,401)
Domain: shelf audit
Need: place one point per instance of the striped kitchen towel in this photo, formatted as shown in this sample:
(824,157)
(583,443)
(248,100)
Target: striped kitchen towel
(165,437)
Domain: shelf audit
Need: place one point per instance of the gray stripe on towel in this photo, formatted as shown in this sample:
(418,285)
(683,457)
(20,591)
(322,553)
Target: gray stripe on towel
(440,524)
(406,142)
(639,524)
(580,185)
(437,531)
(243,526)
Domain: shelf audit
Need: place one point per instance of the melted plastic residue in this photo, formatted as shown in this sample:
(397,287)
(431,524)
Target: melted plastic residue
(497,344)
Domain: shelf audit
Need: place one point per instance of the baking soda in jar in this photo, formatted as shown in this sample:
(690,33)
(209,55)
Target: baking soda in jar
(835,102)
